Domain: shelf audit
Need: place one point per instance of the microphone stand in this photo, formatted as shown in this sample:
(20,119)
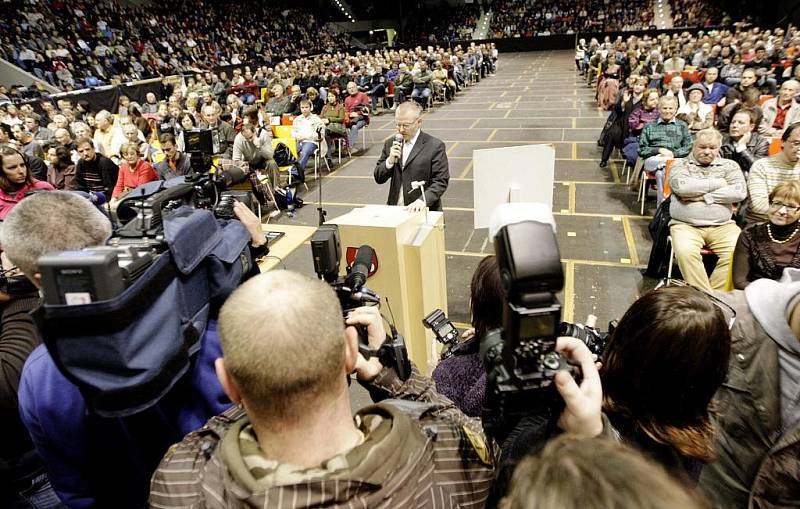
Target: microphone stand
(322,212)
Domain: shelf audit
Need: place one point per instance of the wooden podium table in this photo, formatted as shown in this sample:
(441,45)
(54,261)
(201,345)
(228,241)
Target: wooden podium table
(411,268)
(294,237)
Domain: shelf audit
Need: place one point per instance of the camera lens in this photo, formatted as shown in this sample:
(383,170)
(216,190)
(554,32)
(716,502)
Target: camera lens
(550,361)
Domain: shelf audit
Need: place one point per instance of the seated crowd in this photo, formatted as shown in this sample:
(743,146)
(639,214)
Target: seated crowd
(76,44)
(724,151)
(456,23)
(338,92)
(512,18)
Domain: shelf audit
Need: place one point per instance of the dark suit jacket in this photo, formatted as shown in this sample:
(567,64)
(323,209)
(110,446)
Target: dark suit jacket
(427,161)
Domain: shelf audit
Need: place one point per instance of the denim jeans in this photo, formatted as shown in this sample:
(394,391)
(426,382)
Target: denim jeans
(352,133)
(305,149)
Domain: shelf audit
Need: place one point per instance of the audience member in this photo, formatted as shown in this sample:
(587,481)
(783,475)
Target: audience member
(16,180)
(704,187)
(422,84)
(662,139)
(308,131)
(94,171)
(175,162)
(133,172)
(617,126)
(696,113)
(253,145)
(356,107)
(61,170)
(768,172)
(780,112)
(226,133)
(757,439)
(715,92)
(108,135)
(765,249)
(742,144)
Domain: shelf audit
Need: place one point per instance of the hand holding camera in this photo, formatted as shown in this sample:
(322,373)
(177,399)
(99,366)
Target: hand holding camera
(582,413)
(368,317)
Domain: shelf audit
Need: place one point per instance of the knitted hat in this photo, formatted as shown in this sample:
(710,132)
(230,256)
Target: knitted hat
(696,86)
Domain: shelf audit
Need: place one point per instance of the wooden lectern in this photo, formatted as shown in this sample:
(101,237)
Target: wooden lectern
(411,268)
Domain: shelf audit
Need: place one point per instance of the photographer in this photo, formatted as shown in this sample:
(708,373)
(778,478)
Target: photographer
(295,433)
(96,461)
(461,377)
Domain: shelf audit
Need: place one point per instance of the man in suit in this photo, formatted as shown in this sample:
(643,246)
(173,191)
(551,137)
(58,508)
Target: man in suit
(419,157)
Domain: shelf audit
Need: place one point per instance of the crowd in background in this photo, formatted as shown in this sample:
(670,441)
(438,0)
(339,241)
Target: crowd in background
(75,44)
(527,19)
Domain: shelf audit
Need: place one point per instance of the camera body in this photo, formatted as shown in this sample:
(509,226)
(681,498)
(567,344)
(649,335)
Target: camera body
(520,359)
(443,330)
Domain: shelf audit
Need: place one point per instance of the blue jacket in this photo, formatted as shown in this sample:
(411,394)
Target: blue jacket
(107,462)
(718,91)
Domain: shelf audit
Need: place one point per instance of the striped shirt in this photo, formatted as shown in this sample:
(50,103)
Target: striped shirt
(421,451)
(765,174)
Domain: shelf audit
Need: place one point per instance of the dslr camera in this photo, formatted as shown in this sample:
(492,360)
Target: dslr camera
(520,358)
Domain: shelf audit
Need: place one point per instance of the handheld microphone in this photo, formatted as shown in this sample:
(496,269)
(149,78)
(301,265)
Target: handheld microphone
(360,269)
(398,140)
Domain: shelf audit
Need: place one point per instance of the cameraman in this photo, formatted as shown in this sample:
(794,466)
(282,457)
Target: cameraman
(23,478)
(294,436)
(94,461)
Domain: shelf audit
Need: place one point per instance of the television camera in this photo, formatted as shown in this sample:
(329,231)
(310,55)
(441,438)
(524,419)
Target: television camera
(352,293)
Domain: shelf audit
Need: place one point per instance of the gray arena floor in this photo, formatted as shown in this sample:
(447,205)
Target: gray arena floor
(535,98)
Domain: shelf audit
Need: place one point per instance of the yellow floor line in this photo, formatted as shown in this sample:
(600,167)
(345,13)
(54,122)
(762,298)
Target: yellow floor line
(491,135)
(574,151)
(471,127)
(615,172)
(590,263)
(453,147)
(572,197)
(631,241)
(466,171)
(568,312)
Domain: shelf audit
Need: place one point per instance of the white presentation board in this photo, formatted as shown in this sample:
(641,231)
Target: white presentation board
(511,174)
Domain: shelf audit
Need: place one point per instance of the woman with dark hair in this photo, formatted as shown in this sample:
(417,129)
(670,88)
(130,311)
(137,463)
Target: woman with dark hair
(61,170)
(16,180)
(661,367)
(765,249)
(461,376)
(186,122)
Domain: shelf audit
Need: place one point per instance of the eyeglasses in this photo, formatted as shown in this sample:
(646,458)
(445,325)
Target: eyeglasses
(727,311)
(405,125)
(776,205)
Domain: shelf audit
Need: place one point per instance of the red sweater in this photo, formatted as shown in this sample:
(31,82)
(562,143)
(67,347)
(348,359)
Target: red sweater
(129,178)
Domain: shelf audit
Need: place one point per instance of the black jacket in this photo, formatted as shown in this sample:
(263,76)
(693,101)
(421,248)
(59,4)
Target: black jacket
(427,161)
(101,165)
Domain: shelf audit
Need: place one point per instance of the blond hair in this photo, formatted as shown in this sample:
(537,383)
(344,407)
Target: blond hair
(282,336)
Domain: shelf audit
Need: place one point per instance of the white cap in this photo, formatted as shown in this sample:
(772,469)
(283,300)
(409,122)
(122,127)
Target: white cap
(511,213)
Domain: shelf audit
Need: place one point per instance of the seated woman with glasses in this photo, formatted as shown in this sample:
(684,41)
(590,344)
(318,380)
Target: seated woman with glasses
(765,249)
